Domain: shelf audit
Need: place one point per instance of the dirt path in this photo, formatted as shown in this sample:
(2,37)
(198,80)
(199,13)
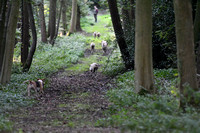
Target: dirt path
(70,104)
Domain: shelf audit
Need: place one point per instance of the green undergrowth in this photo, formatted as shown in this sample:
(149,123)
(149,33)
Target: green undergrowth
(151,112)
(47,60)
(114,64)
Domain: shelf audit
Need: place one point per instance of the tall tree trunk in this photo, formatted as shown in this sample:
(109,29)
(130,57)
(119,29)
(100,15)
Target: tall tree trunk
(194,3)
(132,11)
(119,33)
(73,17)
(49,25)
(143,47)
(185,50)
(34,36)
(64,17)
(42,22)
(3,5)
(197,34)
(58,23)
(25,33)
(52,20)
(10,42)
(78,20)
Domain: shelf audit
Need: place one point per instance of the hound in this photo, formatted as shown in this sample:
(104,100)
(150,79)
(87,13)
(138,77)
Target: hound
(98,34)
(104,45)
(92,46)
(94,67)
(35,85)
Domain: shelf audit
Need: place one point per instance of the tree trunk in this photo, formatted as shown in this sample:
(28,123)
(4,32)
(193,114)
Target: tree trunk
(25,33)
(194,3)
(73,17)
(197,34)
(34,36)
(78,22)
(58,24)
(64,17)
(143,47)
(10,42)
(185,50)
(119,33)
(49,27)
(42,22)
(132,12)
(52,20)
(3,5)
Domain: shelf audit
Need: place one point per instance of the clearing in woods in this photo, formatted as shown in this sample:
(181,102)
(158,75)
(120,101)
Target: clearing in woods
(74,100)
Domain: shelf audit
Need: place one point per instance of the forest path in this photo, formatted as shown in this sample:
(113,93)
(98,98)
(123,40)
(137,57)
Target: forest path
(73,102)
(70,104)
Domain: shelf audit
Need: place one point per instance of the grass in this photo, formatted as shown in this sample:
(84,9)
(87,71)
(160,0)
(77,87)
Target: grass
(103,25)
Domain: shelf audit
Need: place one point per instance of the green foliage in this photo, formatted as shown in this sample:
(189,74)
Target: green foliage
(101,4)
(67,50)
(114,64)
(84,8)
(151,112)
(5,125)
(166,81)
(164,39)
(86,22)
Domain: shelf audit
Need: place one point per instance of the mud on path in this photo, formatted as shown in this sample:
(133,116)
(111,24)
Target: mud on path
(70,104)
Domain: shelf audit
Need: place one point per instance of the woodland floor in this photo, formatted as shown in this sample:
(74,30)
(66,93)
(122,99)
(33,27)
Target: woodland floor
(71,103)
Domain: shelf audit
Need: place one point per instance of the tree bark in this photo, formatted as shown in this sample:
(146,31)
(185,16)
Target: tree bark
(34,36)
(64,17)
(52,20)
(185,51)
(197,34)
(78,22)
(42,22)
(25,33)
(73,17)
(3,8)
(132,11)
(10,42)
(58,24)
(194,3)
(119,33)
(143,47)
(49,27)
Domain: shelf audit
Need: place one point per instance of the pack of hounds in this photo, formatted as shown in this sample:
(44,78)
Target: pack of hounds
(104,45)
(38,85)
